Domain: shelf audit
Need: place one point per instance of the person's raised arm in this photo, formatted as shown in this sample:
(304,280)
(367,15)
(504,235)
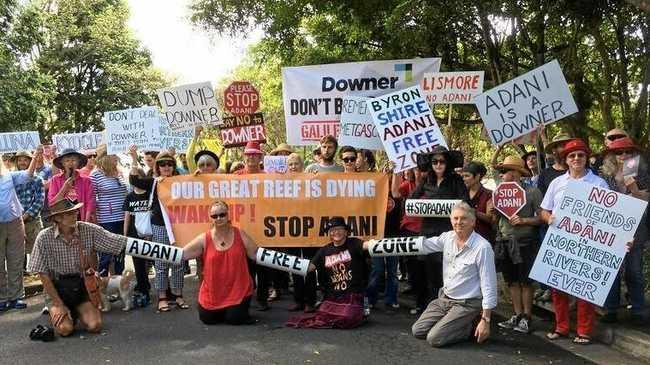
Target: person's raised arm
(396,181)
(36,161)
(133,152)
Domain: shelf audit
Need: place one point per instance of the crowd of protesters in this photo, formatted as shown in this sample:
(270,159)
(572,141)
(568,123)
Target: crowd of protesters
(59,197)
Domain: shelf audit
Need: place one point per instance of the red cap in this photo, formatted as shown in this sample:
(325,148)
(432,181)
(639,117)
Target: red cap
(625,143)
(573,145)
(253,148)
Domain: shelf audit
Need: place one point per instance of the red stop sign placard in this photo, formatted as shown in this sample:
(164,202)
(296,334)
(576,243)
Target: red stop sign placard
(241,98)
(509,198)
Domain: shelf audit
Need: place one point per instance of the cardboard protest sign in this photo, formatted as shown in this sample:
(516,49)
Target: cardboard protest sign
(275,164)
(439,208)
(452,87)
(278,210)
(138,126)
(282,261)
(586,244)
(19,141)
(313,95)
(406,126)
(519,106)
(179,140)
(237,131)
(241,98)
(187,106)
(153,251)
(357,128)
(78,141)
(397,246)
(509,198)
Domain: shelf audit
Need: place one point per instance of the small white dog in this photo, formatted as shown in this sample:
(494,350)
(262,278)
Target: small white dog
(118,284)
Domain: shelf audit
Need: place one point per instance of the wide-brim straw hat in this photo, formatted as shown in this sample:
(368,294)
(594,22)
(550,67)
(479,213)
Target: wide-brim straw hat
(282,147)
(560,138)
(70,152)
(514,163)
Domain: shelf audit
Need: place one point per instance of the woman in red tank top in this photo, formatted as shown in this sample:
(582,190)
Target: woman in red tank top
(227,287)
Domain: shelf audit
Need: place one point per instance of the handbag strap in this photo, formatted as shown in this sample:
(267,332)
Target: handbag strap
(153,188)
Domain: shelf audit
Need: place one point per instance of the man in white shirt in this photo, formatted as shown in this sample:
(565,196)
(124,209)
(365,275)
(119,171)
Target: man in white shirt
(470,284)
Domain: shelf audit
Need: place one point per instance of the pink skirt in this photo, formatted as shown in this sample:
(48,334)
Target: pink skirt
(344,313)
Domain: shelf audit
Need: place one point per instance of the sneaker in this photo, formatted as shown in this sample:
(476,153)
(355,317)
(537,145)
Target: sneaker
(4,307)
(45,311)
(546,296)
(511,323)
(415,311)
(523,326)
(17,304)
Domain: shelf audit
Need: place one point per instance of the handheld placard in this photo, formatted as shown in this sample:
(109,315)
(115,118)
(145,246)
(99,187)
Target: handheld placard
(397,246)
(154,251)
(282,261)
(436,208)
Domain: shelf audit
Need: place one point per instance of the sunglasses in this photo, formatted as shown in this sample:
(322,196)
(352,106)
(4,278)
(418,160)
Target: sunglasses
(92,156)
(503,171)
(576,155)
(206,164)
(349,159)
(219,215)
(166,164)
(438,162)
(624,152)
(614,137)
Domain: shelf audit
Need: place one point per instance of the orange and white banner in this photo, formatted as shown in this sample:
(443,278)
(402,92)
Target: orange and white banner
(277,210)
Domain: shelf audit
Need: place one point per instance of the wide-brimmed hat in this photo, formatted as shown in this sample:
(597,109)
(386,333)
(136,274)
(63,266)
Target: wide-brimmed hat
(337,222)
(198,155)
(70,152)
(23,154)
(514,163)
(63,206)
(573,145)
(253,148)
(282,147)
(625,143)
(560,138)
(165,156)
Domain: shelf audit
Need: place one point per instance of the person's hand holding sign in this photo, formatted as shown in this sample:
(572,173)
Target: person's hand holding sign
(516,220)
(633,187)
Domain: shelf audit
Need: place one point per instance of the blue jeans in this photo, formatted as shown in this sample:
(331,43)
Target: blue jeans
(106,258)
(634,280)
(379,266)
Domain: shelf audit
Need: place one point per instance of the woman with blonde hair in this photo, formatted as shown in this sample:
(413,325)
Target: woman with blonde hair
(110,192)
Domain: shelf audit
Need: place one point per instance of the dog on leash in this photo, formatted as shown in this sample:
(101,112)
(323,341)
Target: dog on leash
(118,284)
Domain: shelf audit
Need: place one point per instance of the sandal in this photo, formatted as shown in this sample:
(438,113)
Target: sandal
(165,307)
(552,336)
(582,340)
(180,303)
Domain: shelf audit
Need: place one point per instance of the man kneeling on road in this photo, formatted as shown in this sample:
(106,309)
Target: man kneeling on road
(470,284)
(61,254)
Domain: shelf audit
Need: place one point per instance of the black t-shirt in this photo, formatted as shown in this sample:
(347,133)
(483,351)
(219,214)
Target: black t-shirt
(135,203)
(452,187)
(344,267)
(546,176)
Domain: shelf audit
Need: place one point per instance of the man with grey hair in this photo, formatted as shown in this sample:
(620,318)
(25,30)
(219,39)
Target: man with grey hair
(469,284)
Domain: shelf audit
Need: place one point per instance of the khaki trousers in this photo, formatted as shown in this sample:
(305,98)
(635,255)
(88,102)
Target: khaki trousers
(12,252)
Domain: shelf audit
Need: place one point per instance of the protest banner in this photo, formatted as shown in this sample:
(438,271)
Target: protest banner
(357,128)
(313,95)
(509,198)
(452,87)
(438,208)
(138,126)
(241,98)
(19,141)
(406,126)
(275,164)
(153,251)
(282,261)
(78,141)
(519,106)
(585,245)
(237,131)
(397,246)
(187,106)
(179,140)
(278,210)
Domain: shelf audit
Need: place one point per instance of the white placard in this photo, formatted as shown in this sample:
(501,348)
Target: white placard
(406,126)
(138,126)
(452,87)
(153,251)
(179,140)
(19,141)
(357,128)
(188,106)
(519,106)
(275,164)
(585,246)
(78,141)
(397,246)
(282,261)
(437,208)
(312,95)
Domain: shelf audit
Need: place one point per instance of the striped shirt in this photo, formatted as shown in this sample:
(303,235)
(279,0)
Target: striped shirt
(110,193)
